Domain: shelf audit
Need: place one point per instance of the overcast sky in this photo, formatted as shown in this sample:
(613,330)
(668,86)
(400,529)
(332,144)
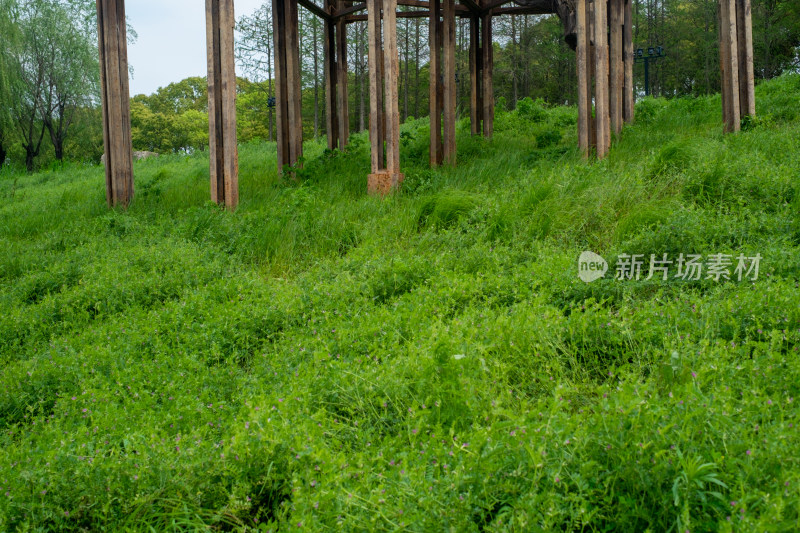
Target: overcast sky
(172,40)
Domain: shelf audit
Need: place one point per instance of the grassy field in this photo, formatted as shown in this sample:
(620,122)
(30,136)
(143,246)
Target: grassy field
(324,360)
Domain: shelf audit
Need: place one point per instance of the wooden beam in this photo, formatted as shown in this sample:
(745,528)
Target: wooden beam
(616,70)
(601,79)
(472,6)
(627,45)
(487,63)
(435,37)
(584,89)
(223,151)
(489,6)
(315,9)
(449,80)
(349,11)
(744,28)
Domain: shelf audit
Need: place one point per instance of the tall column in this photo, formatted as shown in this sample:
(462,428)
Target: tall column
(449,79)
(475,105)
(342,78)
(287,83)
(584,81)
(384,179)
(627,46)
(222,149)
(329,52)
(435,37)
(487,67)
(601,79)
(616,72)
(730,53)
(113,48)
(744,29)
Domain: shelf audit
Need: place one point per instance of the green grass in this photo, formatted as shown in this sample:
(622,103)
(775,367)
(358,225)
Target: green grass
(324,360)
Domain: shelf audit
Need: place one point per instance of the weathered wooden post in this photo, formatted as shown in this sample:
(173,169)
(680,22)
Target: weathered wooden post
(736,62)
(381,15)
(329,52)
(584,79)
(730,65)
(475,105)
(341,79)
(287,83)
(223,152)
(487,70)
(744,26)
(449,78)
(627,45)
(617,75)
(601,79)
(113,47)
(435,37)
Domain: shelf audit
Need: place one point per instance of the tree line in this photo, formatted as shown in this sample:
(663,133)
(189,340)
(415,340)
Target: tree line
(49,72)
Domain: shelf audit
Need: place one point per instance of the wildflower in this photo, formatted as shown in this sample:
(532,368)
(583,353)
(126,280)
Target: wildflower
(748,452)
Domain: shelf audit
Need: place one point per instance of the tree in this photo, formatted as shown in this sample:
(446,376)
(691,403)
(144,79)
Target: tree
(254,51)
(72,78)
(9,74)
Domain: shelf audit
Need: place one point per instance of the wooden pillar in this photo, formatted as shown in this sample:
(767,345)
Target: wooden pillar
(590,72)
(113,48)
(375,62)
(584,87)
(384,179)
(475,107)
(487,68)
(744,29)
(391,62)
(449,80)
(601,79)
(616,70)
(342,78)
(730,68)
(435,38)
(329,52)
(627,46)
(287,83)
(223,153)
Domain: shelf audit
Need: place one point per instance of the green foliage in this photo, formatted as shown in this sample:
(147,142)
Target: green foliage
(322,359)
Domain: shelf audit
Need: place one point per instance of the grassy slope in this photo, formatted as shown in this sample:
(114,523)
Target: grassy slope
(430,361)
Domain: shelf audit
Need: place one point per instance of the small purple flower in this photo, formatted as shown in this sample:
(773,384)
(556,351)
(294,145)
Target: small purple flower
(748,452)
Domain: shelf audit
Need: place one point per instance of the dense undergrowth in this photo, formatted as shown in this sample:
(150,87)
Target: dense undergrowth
(323,360)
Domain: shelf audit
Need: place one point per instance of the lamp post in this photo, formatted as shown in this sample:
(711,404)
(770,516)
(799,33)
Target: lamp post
(654,53)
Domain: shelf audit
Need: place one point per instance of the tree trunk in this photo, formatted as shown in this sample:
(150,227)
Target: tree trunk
(29,156)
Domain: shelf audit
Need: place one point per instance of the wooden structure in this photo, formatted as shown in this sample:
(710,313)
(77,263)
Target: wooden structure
(599,30)
(736,62)
(111,31)
(222,149)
